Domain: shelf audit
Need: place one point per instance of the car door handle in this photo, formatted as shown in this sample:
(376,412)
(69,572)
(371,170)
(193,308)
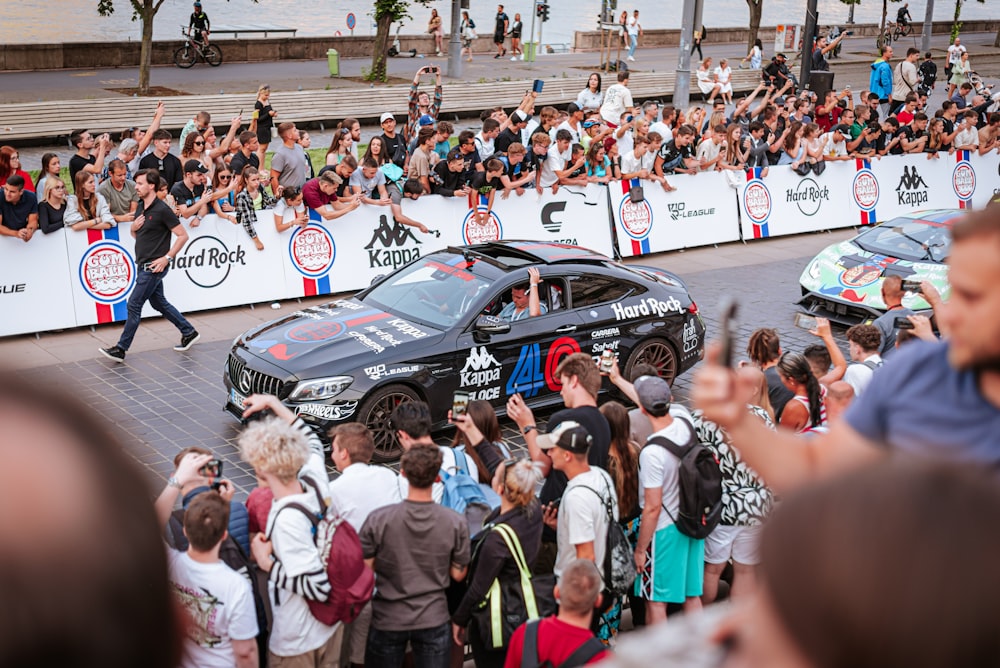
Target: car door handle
(566,328)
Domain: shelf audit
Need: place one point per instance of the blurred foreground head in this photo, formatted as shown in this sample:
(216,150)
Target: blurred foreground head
(83,575)
(891,566)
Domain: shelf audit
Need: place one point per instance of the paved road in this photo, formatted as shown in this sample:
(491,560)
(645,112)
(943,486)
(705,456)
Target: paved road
(851,68)
(166,401)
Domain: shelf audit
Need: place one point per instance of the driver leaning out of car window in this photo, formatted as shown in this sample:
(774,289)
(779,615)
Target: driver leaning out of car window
(524,299)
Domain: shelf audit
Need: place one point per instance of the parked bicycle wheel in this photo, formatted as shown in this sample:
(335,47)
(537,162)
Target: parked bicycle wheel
(185,57)
(213,55)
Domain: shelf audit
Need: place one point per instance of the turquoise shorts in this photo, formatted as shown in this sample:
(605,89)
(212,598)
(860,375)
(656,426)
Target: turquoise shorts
(675,567)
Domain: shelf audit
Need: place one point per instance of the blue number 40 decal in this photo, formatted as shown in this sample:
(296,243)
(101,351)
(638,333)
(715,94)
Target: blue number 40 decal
(527,377)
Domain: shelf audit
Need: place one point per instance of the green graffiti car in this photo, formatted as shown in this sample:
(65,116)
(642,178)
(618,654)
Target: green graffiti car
(844,282)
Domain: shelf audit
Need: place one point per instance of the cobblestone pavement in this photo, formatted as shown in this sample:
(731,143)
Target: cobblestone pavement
(165,401)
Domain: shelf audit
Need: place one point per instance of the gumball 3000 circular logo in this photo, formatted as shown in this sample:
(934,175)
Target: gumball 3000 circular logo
(636,217)
(474,233)
(312,250)
(757,201)
(865,190)
(107,272)
(963,179)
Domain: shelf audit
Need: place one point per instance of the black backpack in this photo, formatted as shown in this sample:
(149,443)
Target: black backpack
(701,485)
(529,655)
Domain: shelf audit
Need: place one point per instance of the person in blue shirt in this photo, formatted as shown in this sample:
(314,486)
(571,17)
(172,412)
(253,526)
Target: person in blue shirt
(524,302)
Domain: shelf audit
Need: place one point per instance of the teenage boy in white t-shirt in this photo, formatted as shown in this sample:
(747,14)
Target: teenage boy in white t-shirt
(222,629)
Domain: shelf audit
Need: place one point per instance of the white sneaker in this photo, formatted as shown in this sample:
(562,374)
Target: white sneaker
(513,58)
(522,56)
(631,58)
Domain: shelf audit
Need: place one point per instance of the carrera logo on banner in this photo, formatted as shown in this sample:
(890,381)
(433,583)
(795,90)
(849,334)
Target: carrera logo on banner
(808,196)
(474,233)
(963,180)
(391,238)
(865,190)
(207,261)
(912,190)
(636,217)
(107,272)
(679,210)
(312,251)
(550,225)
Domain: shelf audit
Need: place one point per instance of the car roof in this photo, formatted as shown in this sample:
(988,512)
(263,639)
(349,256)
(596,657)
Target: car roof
(508,255)
(937,217)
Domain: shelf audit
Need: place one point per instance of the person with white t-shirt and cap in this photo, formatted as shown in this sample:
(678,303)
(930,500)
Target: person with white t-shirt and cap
(617,100)
(671,566)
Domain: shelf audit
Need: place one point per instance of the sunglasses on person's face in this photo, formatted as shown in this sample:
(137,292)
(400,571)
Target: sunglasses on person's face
(199,143)
(225,177)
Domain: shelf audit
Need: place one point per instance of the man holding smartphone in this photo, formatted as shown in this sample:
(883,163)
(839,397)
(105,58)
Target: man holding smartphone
(892,296)
(420,104)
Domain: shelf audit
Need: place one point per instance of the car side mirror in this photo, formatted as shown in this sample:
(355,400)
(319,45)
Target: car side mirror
(487,325)
(377,279)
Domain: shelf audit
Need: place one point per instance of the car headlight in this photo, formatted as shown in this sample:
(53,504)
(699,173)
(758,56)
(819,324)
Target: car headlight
(321,388)
(814,270)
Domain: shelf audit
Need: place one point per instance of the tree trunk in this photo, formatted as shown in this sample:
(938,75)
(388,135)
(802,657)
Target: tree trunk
(885,10)
(381,49)
(756,8)
(146,50)
(956,25)
(996,42)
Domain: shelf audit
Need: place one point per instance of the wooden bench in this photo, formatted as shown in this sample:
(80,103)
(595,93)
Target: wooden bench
(55,119)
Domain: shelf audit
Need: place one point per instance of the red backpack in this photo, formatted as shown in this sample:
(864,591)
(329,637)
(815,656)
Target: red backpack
(351,581)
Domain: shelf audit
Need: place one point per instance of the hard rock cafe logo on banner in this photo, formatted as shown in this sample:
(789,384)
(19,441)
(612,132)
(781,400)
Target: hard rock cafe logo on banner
(757,201)
(636,217)
(963,180)
(865,190)
(107,272)
(474,233)
(207,261)
(312,250)
(808,196)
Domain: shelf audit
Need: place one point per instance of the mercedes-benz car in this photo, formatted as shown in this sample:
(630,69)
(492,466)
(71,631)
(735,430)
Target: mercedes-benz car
(844,282)
(433,327)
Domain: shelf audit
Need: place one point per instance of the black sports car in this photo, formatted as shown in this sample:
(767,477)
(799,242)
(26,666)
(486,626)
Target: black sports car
(433,327)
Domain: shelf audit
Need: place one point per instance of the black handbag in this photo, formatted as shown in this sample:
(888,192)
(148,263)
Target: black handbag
(509,602)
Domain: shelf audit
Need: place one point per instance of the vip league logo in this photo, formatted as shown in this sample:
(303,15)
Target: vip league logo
(386,248)
(481,368)
(207,261)
(808,196)
(679,210)
(912,190)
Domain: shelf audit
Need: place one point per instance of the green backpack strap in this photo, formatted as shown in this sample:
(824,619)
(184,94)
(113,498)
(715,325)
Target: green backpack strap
(493,596)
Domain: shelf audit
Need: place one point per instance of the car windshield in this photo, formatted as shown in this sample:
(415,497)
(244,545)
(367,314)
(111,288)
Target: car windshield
(429,291)
(907,239)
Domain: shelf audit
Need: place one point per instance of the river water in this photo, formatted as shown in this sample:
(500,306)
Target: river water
(28,21)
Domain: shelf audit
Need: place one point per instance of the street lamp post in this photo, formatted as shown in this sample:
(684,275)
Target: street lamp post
(682,83)
(925,34)
(455,41)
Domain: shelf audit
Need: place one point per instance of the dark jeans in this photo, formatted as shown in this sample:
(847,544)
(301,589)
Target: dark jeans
(431,647)
(149,288)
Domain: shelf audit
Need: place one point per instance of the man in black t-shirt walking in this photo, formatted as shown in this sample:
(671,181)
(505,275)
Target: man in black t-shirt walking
(500,31)
(154,224)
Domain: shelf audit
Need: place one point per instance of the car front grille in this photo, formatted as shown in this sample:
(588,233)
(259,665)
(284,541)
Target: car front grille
(250,382)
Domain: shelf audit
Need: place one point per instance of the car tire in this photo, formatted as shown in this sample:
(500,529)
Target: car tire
(374,414)
(657,352)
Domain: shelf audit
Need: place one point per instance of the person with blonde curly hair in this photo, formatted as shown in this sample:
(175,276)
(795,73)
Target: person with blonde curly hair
(287,457)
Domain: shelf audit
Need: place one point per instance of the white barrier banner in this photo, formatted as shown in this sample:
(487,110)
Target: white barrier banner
(702,211)
(347,253)
(785,203)
(981,183)
(219,266)
(34,281)
(902,184)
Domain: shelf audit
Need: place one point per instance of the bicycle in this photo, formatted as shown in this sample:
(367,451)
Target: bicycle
(891,33)
(187,55)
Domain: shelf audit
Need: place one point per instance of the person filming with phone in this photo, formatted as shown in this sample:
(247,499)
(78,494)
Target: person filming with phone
(420,103)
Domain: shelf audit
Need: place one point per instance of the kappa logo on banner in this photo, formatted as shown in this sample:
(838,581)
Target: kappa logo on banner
(207,261)
(474,233)
(392,238)
(808,196)
(679,210)
(312,250)
(637,217)
(912,189)
(865,189)
(107,272)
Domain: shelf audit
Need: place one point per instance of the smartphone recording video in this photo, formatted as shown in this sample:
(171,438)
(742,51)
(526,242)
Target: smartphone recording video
(459,404)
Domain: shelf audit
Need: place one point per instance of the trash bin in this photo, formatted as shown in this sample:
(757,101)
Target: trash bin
(530,49)
(333,62)
(820,82)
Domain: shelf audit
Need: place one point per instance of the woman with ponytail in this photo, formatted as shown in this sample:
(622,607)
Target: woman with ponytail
(764,350)
(806,411)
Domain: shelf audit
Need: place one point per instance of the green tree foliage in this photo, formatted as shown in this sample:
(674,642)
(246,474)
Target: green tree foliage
(387,12)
